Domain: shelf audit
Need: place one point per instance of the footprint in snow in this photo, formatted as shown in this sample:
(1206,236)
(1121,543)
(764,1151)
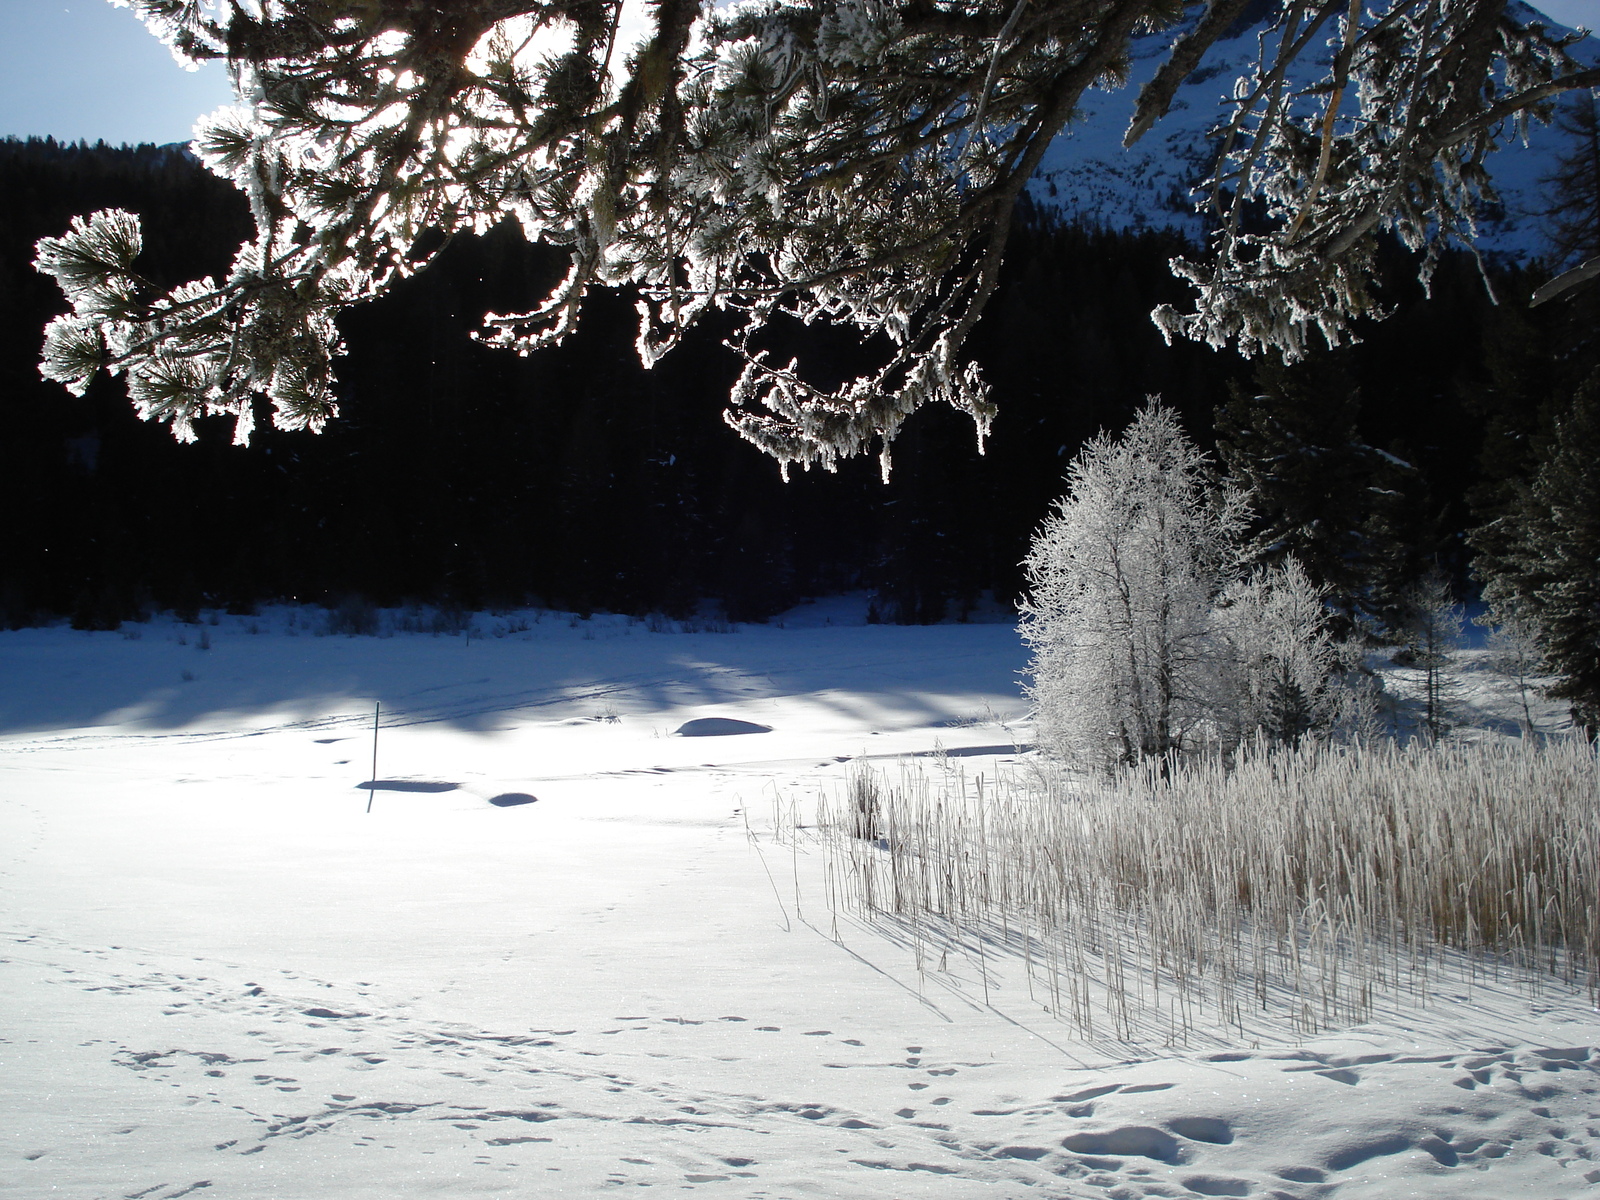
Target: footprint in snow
(1129,1141)
(1216,1185)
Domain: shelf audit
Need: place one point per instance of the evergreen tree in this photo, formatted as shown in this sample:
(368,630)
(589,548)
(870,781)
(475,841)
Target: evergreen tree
(1318,493)
(1404,539)
(1541,560)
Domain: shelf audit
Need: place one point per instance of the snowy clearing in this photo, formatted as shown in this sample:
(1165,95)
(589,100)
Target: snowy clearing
(565,954)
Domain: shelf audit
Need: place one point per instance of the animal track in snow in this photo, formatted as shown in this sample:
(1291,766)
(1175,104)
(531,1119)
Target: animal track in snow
(368,1074)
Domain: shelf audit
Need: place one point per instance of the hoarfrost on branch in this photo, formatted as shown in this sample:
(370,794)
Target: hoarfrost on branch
(841,161)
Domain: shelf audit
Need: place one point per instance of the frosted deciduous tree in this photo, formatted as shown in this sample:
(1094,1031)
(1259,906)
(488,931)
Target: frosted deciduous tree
(845,161)
(1513,648)
(1432,636)
(1150,634)
(1123,579)
(1276,658)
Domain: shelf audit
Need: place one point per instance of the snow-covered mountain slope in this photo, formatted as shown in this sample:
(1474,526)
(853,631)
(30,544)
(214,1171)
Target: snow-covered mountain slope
(1087,176)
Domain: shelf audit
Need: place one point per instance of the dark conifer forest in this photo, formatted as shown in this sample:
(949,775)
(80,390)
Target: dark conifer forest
(462,476)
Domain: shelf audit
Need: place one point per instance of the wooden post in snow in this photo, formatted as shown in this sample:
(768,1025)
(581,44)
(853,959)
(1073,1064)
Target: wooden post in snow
(372,781)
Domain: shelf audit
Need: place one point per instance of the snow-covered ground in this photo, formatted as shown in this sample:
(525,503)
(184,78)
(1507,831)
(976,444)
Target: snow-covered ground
(563,954)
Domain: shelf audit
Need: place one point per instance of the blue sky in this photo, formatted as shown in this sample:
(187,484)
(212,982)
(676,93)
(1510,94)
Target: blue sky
(1572,12)
(83,69)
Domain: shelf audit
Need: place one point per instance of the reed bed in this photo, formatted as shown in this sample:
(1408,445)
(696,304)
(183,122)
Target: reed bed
(1289,887)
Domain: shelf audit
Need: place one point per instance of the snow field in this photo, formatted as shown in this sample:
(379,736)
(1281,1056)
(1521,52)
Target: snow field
(220,975)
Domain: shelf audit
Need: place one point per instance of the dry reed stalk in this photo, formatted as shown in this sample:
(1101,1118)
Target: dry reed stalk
(1290,884)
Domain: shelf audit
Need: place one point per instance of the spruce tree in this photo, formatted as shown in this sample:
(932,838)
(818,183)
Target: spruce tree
(1318,493)
(1541,559)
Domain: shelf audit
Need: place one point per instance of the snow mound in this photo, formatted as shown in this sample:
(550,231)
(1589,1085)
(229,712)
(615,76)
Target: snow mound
(718,727)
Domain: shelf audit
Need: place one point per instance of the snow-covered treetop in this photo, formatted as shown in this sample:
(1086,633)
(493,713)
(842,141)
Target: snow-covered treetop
(845,161)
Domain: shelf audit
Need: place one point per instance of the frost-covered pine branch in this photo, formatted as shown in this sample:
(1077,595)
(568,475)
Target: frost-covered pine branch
(852,162)
(1394,137)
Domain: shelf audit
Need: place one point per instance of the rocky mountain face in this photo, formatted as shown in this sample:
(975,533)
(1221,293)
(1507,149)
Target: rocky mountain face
(1088,177)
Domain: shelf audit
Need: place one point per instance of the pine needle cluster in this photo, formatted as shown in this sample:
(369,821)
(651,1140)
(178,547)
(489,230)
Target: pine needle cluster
(849,162)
